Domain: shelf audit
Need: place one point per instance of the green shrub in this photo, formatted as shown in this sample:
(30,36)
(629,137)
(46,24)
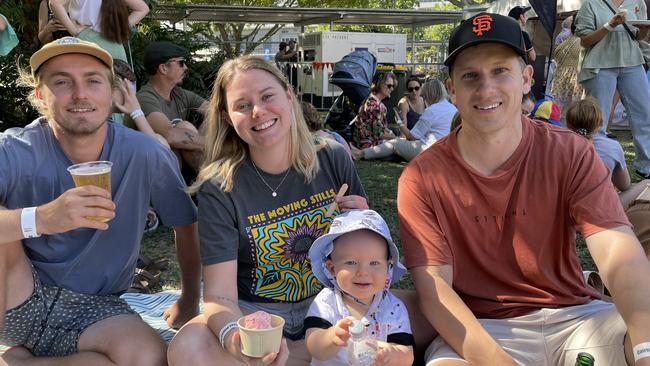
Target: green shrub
(16,111)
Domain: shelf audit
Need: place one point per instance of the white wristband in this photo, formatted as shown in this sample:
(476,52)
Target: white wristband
(136,114)
(224,332)
(28,222)
(608,27)
(641,350)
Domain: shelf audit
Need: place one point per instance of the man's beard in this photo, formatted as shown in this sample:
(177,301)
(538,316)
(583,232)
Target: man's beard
(81,129)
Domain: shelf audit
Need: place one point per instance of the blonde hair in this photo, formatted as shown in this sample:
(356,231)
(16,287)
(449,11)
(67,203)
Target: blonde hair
(225,150)
(31,82)
(584,117)
(433,91)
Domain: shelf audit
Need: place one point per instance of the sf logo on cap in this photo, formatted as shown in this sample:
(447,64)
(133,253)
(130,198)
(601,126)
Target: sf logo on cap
(482,23)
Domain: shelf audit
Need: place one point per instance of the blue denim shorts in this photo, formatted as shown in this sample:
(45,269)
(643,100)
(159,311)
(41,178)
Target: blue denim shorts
(50,322)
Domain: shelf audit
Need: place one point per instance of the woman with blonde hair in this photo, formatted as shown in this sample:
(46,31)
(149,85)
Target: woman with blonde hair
(433,125)
(264,190)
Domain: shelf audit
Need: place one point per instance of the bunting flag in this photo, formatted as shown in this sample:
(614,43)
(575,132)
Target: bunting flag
(546,11)
(323,65)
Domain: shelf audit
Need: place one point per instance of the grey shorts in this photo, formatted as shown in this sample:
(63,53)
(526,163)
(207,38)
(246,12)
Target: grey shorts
(294,314)
(50,322)
(552,336)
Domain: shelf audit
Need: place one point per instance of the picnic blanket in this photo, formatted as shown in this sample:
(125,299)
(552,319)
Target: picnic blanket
(151,308)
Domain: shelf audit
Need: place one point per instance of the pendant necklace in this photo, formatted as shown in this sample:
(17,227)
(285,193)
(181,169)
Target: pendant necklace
(273,191)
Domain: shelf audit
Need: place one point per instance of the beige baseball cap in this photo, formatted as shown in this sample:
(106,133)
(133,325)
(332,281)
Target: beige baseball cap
(68,45)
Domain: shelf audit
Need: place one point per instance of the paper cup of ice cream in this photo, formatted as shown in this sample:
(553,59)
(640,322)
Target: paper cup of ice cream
(260,333)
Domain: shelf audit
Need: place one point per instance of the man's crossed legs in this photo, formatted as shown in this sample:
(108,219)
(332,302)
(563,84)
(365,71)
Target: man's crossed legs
(54,326)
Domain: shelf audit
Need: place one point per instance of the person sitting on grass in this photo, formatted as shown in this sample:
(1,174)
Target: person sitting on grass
(357,261)
(370,127)
(412,105)
(434,124)
(126,101)
(167,106)
(488,221)
(317,126)
(62,273)
(263,192)
(584,117)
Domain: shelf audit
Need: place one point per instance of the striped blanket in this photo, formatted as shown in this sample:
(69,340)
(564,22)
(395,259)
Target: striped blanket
(151,308)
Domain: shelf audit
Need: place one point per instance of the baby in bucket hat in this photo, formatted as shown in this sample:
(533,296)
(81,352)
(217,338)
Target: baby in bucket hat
(357,261)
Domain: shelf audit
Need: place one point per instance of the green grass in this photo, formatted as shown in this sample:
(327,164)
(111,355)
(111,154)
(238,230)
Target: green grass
(379,179)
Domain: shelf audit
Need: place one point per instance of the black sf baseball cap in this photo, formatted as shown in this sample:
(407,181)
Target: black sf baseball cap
(484,28)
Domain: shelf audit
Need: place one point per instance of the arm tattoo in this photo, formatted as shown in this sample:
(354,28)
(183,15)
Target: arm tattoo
(189,138)
(223,299)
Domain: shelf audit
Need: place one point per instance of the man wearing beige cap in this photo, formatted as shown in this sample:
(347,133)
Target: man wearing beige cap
(61,273)
(488,221)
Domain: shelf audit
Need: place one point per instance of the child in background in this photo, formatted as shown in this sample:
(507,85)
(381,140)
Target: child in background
(356,262)
(527,104)
(317,126)
(585,118)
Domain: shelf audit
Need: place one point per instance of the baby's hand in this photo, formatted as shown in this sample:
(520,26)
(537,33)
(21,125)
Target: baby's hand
(339,332)
(390,354)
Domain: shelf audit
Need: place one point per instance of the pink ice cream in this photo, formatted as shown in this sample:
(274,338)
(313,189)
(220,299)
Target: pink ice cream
(257,320)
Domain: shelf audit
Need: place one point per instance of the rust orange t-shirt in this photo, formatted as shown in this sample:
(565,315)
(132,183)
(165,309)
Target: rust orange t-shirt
(510,237)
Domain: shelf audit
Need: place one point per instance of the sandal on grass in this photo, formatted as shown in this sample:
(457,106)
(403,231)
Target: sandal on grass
(152,265)
(143,281)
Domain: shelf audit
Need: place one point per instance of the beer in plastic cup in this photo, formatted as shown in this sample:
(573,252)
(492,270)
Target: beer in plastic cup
(92,173)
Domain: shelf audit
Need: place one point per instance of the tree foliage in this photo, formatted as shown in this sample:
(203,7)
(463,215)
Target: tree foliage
(15,110)
(235,38)
(462,4)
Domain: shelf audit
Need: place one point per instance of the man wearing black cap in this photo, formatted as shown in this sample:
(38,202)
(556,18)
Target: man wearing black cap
(488,219)
(518,13)
(167,106)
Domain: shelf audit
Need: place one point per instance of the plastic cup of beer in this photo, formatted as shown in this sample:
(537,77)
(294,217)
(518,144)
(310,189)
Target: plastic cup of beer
(92,173)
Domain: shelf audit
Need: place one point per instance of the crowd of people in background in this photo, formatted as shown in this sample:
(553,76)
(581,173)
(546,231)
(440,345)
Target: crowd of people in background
(269,213)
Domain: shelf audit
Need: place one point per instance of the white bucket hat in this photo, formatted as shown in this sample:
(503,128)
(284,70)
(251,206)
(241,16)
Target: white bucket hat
(345,223)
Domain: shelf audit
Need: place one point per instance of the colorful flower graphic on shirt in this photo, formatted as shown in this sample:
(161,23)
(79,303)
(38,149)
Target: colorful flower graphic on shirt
(283,272)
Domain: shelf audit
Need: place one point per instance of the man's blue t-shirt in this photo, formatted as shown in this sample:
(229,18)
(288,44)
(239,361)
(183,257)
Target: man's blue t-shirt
(33,172)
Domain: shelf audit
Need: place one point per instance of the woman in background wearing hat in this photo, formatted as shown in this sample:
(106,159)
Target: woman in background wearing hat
(264,189)
(106,23)
(612,60)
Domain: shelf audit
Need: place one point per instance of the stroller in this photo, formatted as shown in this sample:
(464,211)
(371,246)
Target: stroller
(353,74)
